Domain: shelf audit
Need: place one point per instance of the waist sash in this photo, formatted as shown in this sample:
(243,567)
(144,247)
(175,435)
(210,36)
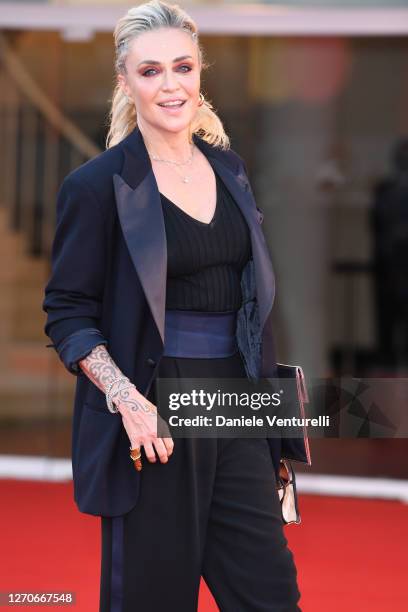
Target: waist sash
(190,333)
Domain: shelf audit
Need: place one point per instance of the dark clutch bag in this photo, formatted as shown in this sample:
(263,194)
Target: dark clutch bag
(292,449)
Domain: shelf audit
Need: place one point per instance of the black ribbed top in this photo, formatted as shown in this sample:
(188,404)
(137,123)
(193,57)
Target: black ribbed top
(205,260)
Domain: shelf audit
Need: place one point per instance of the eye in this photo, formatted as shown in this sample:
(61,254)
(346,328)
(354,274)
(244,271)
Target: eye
(145,73)
(186,66)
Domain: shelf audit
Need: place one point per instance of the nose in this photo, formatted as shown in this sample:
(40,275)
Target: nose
(169,80)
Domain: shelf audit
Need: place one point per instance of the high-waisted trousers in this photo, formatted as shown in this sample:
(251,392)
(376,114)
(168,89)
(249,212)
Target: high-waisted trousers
(211,511)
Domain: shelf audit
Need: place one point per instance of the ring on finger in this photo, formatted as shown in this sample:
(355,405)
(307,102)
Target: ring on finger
(138,452)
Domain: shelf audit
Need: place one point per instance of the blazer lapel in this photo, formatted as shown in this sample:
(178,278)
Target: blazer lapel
(141,218)
(264,275)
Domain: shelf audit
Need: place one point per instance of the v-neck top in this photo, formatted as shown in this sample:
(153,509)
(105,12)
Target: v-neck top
(205,260)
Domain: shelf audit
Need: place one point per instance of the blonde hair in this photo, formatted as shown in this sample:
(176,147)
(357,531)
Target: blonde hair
(145,17)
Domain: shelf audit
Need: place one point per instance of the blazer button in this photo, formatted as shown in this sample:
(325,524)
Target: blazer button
(151,362)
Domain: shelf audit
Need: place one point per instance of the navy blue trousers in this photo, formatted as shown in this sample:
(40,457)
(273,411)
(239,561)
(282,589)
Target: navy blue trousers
(211,511)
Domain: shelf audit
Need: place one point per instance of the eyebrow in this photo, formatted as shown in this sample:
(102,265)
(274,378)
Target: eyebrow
(155,62)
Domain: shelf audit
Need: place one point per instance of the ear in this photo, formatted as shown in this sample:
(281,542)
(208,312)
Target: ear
(121,80)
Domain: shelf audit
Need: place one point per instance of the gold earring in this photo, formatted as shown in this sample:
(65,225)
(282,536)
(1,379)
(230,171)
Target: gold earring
(201,99)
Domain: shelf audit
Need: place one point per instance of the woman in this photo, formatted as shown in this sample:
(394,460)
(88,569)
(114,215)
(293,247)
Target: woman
(160,269)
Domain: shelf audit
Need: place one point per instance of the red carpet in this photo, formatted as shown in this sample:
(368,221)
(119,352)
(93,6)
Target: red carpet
(351,554)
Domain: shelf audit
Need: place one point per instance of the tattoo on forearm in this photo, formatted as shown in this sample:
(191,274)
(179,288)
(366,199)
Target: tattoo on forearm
(100,367)
(102,370)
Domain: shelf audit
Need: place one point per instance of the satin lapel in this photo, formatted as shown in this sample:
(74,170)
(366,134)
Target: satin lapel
(141,218)
(142,223)
(238,186)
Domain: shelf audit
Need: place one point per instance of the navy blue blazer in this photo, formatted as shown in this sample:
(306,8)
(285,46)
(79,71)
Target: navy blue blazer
(108,286)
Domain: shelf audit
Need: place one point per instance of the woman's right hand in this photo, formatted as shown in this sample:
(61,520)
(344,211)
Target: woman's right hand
(143,424)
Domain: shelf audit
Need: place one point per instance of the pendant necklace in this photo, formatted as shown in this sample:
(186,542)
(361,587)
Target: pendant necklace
(184,177)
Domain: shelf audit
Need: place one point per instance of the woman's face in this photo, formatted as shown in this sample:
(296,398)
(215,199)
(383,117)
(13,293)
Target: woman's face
(161,66)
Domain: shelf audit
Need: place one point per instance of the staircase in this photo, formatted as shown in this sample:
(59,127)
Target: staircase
(38,147)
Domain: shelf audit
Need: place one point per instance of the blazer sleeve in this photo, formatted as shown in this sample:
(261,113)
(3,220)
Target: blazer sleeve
(73,294)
